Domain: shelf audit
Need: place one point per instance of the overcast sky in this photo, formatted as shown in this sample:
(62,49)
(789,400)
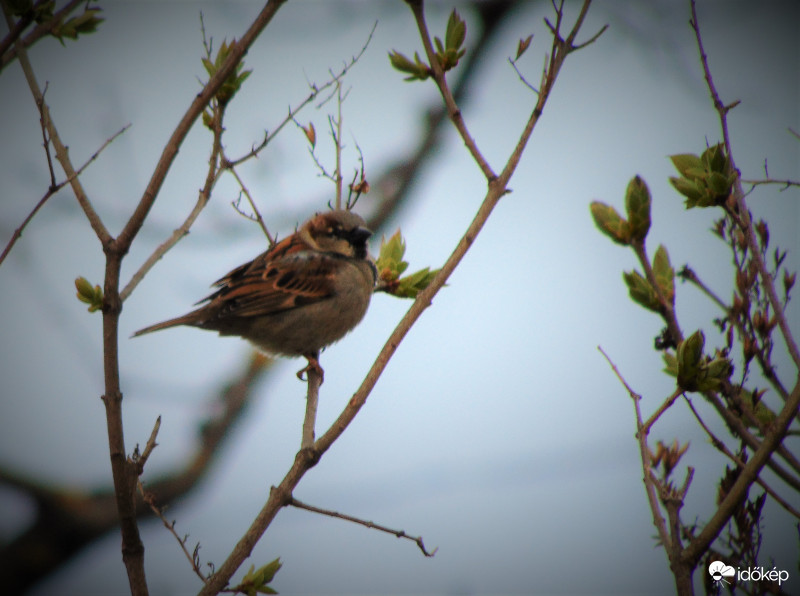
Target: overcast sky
(498,432)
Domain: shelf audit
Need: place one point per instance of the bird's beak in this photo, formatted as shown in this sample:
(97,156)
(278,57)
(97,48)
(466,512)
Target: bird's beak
(359,234)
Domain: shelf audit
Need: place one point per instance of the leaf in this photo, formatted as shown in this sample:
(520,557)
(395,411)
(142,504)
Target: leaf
(611,223)
(684,162)
(410,286)
(390,266)
(664,274)
(713,372)
(718,183)
(418,70)
(456,31)
(523,46)
(82,24)
(637,205)
(93,296)
(689,189)
(671,362)
(255,580)
(311,134)
(714,159)
(209,66)
(390,263)
(640,291)
(690,352)
(438,43)
(234,81)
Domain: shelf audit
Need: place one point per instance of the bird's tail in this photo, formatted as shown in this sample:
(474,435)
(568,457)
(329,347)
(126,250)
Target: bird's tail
(187,319)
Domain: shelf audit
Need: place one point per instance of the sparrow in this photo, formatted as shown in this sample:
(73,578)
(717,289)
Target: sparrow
(303,294)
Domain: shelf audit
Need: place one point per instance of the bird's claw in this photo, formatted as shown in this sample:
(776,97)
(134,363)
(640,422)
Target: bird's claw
(313,364)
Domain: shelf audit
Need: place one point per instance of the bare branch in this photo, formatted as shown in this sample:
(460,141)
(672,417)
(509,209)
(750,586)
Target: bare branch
(260,220)
(650,480)
(61,150)
(450,103)
(204,195)
(744,214)
(193,557)
(197,106)
(720,446)
(53,190)
(150,445)
(315,376)
(663,408)
(367,524)
(785,183)
(315,91)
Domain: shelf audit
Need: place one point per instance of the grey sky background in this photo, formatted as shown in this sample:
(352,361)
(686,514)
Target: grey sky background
(498,432)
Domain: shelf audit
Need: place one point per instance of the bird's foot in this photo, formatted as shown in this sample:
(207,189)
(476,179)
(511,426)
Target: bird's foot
(313,364)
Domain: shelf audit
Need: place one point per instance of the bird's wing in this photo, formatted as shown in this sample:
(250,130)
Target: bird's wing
(286,277)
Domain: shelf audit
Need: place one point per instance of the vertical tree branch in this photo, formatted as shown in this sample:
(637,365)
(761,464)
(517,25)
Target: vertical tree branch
(312,401)
(747,228)
(124,471)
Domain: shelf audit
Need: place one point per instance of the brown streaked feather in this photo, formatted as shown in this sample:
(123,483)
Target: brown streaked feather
(303,294)
(273,282)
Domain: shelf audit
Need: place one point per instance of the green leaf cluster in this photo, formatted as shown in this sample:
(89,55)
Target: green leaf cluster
(697,372)
(255,580)
(81,25)
(93,296)
(390,265)
(447,54)
(705,181)
(637,206)
(42,11)
(234,82)
(418,70)
(641,290)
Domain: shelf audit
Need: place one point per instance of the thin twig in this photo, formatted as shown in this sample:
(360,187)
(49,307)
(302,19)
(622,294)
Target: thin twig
(785,183)
(663,408)
(667,308)
(773,438)
(742,433)
(315,91)
(687,274)
(193,557)
(61,150)
(260,220)
(720,446)
(53,190)
(450,103)
(45,141)
(650,481)
(204,195)
(338,139)
(367,524)
(201,100)
(150,445)
(744,214)
(522,78)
